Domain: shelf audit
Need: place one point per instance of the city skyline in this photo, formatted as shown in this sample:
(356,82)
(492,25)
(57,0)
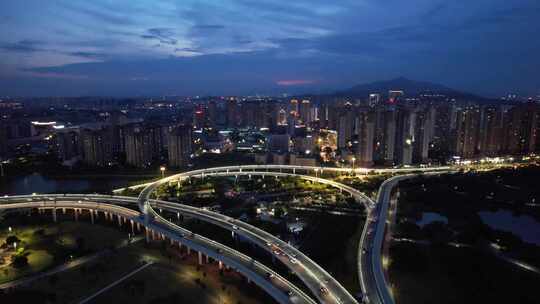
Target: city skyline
(240,48)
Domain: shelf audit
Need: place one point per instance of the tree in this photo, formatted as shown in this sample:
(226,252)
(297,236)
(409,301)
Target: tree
(12,239)
(19,261)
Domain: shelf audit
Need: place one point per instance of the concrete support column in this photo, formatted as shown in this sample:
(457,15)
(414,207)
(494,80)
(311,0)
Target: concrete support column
(119,220)
(147,235)
(132,227)
(207,259)
(91,216)
(138,227)
(153,235)
(76,214)
(54,214)
(294,170)
(200,258)
(188,250)
(64,210)
(220,263)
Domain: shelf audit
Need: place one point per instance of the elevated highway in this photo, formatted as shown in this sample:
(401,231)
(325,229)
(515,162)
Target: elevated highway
(278,287)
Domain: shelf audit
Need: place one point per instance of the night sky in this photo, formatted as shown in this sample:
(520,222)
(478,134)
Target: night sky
(225,47)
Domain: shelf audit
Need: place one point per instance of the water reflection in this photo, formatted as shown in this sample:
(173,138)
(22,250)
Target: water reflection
(42,184)
(524,226)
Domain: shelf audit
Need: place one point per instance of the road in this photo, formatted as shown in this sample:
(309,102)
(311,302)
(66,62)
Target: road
(120,280)
(278,287)
(311,274)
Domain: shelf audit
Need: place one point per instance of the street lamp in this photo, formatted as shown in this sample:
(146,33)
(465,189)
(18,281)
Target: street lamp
(9,229)
(353,160)
(162,169)
(15,245)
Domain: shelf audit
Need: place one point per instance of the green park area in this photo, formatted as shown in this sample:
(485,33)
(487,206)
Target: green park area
(31,248)
(171,278)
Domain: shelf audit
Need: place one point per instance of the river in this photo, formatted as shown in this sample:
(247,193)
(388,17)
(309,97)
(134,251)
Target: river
(38,183)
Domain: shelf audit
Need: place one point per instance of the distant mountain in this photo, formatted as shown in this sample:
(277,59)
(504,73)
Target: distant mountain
(410,87)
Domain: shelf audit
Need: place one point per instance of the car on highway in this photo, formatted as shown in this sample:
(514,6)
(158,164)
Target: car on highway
(323,290)
(235,227)
(293,260)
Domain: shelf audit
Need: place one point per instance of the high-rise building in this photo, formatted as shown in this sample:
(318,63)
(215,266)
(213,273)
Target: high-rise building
(345,126)
(491,130)
(306,116)
(212,113)
(395,95)
(374,99)
(522,125)
(366,137)
(282,117)
(68,143)
(143,144)
(180,146)
(404,140)
(3,140)
(232,113)
(97,146)
(467,132)
(388,141)
(423,134)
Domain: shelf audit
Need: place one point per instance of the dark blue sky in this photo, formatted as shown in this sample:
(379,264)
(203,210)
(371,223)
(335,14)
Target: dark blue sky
(189,47)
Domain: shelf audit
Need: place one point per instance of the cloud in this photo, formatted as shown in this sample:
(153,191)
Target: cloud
(294,82)
(163,35)
(208,27)
(89,55)
(22,46)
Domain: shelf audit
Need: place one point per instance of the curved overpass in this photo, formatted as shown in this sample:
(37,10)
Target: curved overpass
(278,287)
(307,270)
(305,169)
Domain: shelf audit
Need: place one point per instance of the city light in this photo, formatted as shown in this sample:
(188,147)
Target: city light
(162,169)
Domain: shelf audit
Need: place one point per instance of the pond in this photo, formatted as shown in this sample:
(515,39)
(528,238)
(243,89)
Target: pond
(524,226)
(430,217)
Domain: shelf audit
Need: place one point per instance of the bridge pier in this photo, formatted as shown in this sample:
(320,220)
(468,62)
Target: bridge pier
(220,263)
(188,250)
(76,214)
(200,258)
(54,214)
(147,233)
(132,227)
(91,215)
